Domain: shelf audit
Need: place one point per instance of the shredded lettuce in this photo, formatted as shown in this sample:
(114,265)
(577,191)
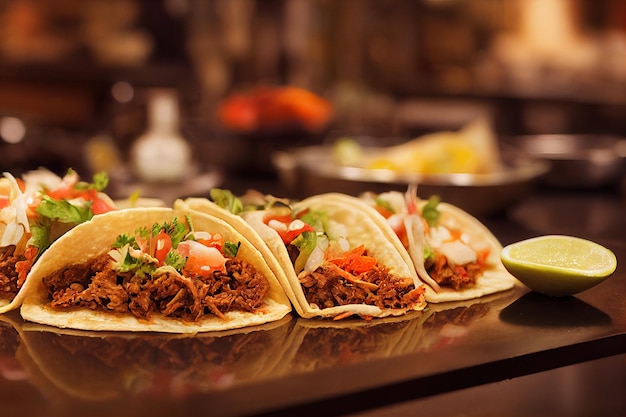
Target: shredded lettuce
(317,219)
(64,211)
(305,243)
(430,212)
(227,200)
(40,236)
(429,253)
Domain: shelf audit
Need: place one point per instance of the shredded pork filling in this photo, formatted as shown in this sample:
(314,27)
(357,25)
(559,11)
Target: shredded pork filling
(8,273)
(97,286)
(328,286)
(456,277)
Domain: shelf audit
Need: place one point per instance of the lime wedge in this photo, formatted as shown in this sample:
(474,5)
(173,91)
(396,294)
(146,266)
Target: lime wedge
(558,265)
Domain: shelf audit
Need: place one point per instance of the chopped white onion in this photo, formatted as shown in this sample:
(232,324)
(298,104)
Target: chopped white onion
(458,253)
(316,258)
(438,235)
(297,224)
(202,235)
(276,225)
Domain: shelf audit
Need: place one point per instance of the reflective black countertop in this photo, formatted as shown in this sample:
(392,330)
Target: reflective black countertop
(306,367)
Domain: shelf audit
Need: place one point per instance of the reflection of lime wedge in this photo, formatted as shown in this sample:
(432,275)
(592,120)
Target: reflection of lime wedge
(559,265)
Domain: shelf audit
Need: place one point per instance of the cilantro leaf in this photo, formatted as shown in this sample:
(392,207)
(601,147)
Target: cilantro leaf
(100,181)
(175,260)
(231,249)
(124,239)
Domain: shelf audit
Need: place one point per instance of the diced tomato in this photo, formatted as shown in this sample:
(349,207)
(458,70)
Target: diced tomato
(215,241)
(289,230)
(162,245)
(384,211)
(65,190)
(396,221)
(290,235)
(460,271)
(201,260)
(283,218)
(4,201)
(482,256)
(100,206)
(455,235)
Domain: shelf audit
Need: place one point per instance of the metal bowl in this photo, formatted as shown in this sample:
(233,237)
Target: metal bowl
(312,170)
(577,161)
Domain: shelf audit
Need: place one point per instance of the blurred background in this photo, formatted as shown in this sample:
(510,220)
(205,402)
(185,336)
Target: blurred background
(80,81)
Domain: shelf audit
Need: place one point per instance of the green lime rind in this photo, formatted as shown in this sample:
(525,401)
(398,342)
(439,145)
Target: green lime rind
(559,265)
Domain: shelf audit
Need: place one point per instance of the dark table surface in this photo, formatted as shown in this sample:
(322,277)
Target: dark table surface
(306,367)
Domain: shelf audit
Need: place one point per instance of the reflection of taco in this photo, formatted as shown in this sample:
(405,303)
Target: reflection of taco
(10,340)
(453,252)
(321,344)
(338,262)
(115,365)
(153,269)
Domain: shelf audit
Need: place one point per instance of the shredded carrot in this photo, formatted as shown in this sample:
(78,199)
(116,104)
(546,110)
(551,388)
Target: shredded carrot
(354,261)
(343,315)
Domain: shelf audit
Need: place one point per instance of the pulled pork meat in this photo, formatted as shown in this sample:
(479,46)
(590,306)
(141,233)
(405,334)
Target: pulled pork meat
(97,286)
(13,270)
(8,273)
(454,276)
(328,286)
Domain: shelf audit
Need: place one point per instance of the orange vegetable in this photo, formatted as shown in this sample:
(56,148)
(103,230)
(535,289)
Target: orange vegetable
(354,261)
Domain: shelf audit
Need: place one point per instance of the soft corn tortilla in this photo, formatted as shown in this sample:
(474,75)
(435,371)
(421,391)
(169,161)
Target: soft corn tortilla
(361,231)
(95,237)
(494,279)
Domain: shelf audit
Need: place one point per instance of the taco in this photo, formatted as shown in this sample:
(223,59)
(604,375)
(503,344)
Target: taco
(35,210)
(322,344)
(153,269)
(337,262)
(453,252)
